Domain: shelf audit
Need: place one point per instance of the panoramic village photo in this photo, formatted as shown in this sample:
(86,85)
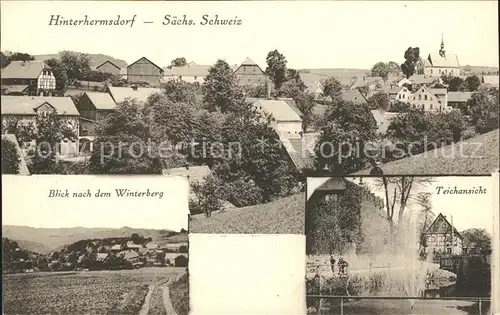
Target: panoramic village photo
(246,120)
(399,245)
(83,255)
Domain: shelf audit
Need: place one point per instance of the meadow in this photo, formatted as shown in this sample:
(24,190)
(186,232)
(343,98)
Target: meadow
(92,292)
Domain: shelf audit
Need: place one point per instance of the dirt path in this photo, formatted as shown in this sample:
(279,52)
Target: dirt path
(147,301)
(166,300)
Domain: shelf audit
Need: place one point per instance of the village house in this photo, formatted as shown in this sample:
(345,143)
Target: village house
(249,73)
(144,70)
(437,65)
(117,248)
(176,259)
(354,96)
(108,67)
(28,78)
(430,99)
(175,247)
(399,94)
(324,189)
(286,121)
(190,73)
(443,238)
(419,80)
(133,246)
(313,83)
(130,256)
(458,100)
(134,93)
(26,108)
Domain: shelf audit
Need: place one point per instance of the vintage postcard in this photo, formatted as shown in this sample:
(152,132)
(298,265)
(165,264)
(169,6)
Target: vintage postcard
(247,97)
(95,245)
(400,245)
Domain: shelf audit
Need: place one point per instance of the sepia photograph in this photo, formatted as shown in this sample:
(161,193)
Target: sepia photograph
(83,255)
(108,93)
(399,245)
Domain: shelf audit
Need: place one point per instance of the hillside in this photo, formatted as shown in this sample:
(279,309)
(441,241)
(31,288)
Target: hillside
(477,69)
(95,59)
(50,239)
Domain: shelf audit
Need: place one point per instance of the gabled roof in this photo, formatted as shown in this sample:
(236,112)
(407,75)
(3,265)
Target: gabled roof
(422,79)
(24,69)
(448,61)
(25,105)
(119,94)
(459,96)
(111,63)
(439,91)
(301,151)
(324,184)
(102,101)
(280,110)
(442,229)
(130,254)
(130,65)
(249,62)
(14,88)
(354,96)
(102,256)
(23,167)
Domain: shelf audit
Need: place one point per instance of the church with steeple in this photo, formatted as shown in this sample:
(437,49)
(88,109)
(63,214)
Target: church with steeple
(441,64)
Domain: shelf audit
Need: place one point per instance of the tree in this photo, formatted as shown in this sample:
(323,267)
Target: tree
(412,57)
(305,103)
(333,88)
(181,91)
(10,157)
(209,196)
(178,62)
(220,91)
(276,68)
(454,83)
(380,69)
(76,65)
(472,83)
(398,107)
(379,101)
(136,239)
(51,129)
(24,130)
(480,239)
(482,108)
(425,215)
(342,140)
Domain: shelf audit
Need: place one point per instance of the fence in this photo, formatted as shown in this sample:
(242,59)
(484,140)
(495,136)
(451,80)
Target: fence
(342,298)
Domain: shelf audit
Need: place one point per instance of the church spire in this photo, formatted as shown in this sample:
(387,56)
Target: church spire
(442,52)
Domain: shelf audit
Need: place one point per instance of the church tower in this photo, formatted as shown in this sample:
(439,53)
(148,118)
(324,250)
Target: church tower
(442,52)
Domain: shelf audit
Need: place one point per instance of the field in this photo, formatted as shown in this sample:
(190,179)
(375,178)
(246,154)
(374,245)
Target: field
(93,292)
(283,216)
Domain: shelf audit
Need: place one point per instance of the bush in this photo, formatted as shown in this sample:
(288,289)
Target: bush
(179,295)
(243,193)
(10,157)
(209,196)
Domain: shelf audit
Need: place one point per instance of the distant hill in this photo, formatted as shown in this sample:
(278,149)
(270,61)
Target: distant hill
(337,72)
(43,240)
(95,59)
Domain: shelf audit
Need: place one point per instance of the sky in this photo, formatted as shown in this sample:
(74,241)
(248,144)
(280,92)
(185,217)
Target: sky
(468,211)
(325,34)
(26,202)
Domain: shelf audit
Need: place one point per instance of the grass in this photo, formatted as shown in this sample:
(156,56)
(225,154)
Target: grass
(179,295)
(283,216)
(477,155)
(103,292)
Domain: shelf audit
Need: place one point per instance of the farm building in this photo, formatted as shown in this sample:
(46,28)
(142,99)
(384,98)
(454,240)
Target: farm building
(249,73)
(108,67)
(26,109)
(130,256)
(28,78)
(189,73)
(443,238)
(176,259)
(144,70)
(287,121)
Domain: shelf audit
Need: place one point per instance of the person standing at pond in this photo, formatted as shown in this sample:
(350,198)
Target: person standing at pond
(332,264)
(342,266)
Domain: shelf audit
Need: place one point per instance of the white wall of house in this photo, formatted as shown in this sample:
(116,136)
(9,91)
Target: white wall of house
(439,71)
(424,99)
(46,80)
(189,79)
(441,243)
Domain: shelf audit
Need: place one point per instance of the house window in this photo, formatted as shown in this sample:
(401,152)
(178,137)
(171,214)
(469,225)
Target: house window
(404,96)
(425,97)
(448,250)
(439,71)
(419,97)
(180,77)
(431,71)
(431,106)
(399,96)
(431,98)
(195,77)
